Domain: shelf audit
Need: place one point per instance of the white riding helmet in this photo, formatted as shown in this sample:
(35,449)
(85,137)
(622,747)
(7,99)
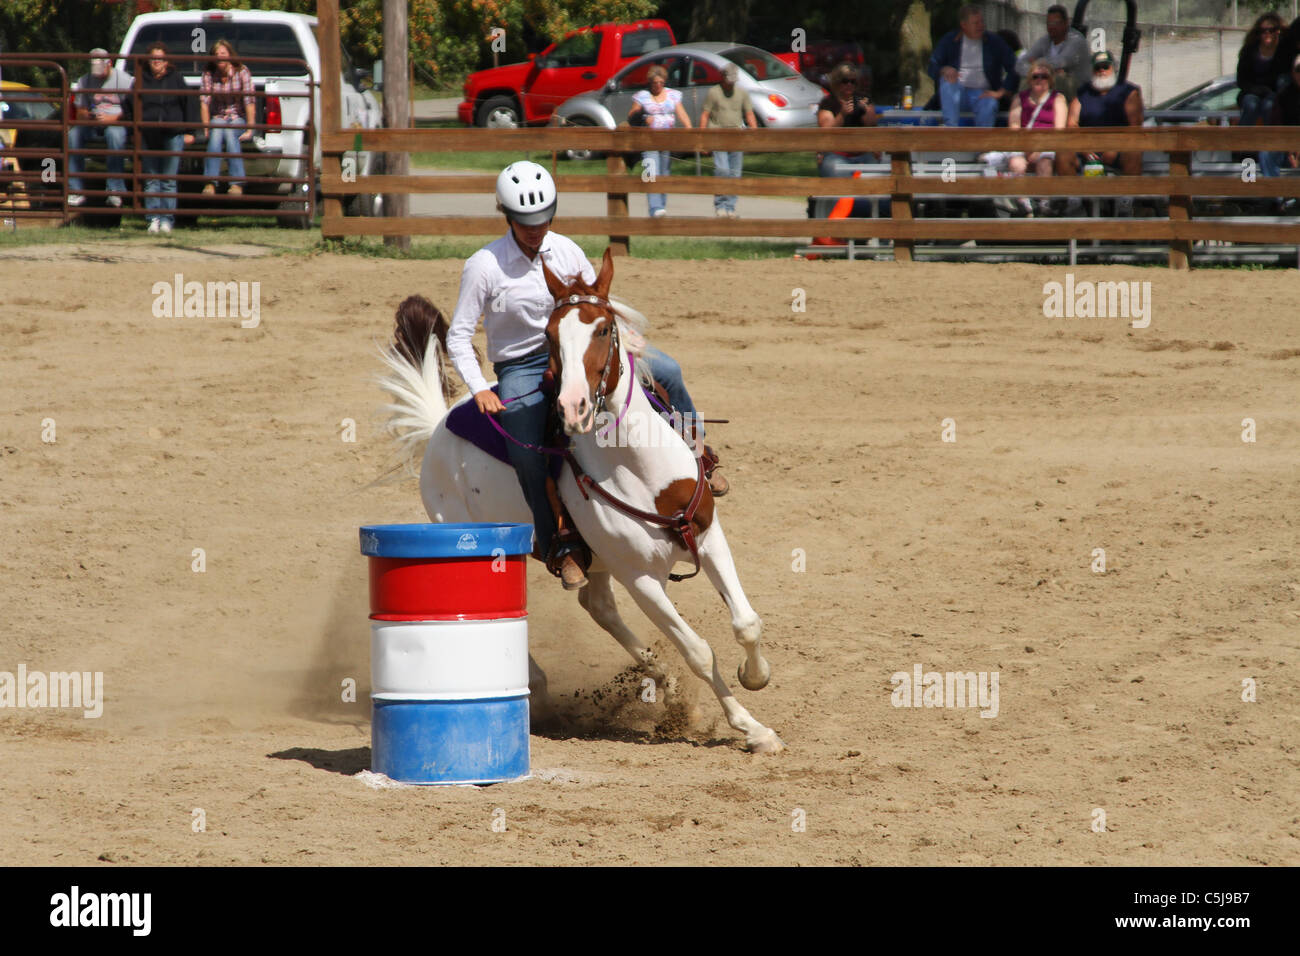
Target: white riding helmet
(526,193)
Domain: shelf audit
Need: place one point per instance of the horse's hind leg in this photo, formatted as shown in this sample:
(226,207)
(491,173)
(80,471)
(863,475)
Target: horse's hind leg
(715,557)
(650,597)
(597,599)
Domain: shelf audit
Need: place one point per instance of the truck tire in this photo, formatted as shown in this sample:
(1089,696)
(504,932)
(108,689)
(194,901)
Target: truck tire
(499,112)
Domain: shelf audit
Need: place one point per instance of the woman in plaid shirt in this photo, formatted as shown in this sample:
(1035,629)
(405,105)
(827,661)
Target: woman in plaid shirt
(226,103)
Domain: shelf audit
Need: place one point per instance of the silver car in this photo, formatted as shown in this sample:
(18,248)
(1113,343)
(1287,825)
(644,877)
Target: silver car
(781,98)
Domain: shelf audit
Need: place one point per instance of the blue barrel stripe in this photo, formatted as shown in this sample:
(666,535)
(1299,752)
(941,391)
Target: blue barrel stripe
(450,741)
(446,540)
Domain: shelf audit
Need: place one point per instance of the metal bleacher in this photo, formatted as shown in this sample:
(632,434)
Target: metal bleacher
(968,165)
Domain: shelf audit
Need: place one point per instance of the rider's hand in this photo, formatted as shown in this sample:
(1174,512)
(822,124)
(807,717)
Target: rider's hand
(487,402)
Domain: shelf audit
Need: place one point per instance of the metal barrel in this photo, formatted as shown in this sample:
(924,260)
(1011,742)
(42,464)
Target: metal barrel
(448,651)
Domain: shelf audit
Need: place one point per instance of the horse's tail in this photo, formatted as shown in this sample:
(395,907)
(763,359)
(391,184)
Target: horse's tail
(417,379)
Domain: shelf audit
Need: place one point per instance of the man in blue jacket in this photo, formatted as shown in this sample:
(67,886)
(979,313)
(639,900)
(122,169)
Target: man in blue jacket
(973,70)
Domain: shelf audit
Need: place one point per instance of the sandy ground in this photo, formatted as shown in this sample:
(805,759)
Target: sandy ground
(1119,692)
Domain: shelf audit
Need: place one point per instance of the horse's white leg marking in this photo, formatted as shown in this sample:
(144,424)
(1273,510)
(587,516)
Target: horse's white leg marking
(715,557)
(597,598)
(650,597)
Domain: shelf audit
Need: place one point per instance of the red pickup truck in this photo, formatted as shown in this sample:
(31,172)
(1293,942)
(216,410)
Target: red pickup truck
(525,94)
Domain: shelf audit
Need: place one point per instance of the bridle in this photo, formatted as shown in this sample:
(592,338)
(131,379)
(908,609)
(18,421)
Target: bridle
(602,389)
(680,521)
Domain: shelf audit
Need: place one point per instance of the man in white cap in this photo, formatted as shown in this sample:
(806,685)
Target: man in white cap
(100,96)
(726,106)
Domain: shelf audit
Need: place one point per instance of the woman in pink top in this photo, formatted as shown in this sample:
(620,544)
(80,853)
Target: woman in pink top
(1039,107)
(661,108)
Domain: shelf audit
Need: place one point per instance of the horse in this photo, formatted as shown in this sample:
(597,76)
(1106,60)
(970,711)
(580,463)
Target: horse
(621,478)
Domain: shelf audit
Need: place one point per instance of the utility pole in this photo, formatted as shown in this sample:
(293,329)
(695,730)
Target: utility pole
(397,109)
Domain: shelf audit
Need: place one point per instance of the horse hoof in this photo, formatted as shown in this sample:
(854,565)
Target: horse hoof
(754,682)
(767,743)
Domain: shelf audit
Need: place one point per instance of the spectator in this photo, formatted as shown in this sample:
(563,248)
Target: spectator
(163,100)
(99,97)
(1261,71)
(729,108)
(226,103)
(972,70)
(1105,101)
(1039,107)
(1286,112)
(1066,51)
(662,109)
(844,106)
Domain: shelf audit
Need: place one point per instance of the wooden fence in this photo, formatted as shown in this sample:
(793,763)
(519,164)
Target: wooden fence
(1179,230)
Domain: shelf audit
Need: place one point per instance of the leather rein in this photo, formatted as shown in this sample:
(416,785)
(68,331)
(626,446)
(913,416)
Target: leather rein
(679,522)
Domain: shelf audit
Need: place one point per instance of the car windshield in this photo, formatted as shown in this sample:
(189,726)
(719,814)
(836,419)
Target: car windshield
(1184,100)
(758,63)
(248,39)
(581,49)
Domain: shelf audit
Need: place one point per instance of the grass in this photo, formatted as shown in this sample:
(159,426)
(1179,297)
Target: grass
(246,231)
(493,161)
(642,247)
(306,242)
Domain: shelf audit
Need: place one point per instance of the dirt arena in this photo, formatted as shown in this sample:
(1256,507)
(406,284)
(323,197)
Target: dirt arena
(1118,691)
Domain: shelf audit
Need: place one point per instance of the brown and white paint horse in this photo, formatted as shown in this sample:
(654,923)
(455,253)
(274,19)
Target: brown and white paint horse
(641,462)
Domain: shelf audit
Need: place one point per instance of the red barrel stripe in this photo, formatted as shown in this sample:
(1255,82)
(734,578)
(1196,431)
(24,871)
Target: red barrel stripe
(448,589)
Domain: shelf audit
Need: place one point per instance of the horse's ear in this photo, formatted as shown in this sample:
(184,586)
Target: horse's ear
(606,275)
(557,287)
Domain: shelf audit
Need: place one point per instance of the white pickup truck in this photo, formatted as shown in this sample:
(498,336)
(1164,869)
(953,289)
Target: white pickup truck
(190,35)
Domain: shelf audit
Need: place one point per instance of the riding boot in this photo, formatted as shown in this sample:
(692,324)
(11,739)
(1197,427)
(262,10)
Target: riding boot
(570,557)
(718,484)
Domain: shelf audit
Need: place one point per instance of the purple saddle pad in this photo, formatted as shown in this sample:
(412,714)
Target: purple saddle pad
(467,422)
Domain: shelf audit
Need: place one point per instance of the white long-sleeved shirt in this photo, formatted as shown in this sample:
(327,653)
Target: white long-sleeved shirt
(505,287)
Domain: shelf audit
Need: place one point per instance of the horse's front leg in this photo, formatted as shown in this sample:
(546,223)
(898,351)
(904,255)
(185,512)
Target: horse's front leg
(597,599)
(715,558)
(649,594)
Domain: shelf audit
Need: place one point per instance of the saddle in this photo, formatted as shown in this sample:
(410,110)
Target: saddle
(467,422)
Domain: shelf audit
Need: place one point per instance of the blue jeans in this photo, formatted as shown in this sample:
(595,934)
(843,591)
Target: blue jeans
(81,137)
(223,137)
(668,373)
(525,420)
(656,165)
(1255,107)
(1270,164)
(727,164)
(956,98)
(161,173)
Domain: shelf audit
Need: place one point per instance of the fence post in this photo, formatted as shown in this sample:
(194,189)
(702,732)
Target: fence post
(1180,210)
(616,203)
(900,203)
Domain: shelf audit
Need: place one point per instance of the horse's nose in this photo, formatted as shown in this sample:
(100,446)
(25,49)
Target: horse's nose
(582,407)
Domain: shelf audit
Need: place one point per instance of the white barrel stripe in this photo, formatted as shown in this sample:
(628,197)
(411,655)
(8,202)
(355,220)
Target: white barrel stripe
(449,660)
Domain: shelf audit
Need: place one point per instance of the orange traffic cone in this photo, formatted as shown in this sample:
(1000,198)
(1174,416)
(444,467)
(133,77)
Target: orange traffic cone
(841,210)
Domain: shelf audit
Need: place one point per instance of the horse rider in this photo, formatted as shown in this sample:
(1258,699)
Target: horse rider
(503,283)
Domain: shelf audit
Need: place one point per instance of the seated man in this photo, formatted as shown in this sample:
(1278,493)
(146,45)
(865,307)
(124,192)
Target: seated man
(1064,49)
(973,70)
(1105,102)
(100,96)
